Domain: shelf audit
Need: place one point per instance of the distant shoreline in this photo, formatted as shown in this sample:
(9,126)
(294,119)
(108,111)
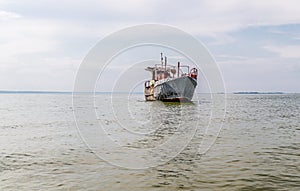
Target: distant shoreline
(259,93)
(33,92)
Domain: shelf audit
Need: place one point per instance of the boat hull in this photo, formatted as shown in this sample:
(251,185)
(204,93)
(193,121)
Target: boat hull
(175,90)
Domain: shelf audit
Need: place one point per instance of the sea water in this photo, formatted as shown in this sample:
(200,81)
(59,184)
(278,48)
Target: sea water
(257,147)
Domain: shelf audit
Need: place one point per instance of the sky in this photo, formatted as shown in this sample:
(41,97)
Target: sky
(255,43)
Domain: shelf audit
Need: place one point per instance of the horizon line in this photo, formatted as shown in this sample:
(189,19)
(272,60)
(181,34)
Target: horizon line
(108,92)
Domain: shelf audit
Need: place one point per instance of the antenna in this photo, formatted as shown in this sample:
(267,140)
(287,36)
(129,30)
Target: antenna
(161,59)
(165,63)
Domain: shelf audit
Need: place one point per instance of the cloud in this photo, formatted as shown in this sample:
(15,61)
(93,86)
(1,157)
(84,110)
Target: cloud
(204,17)
(285,51)
(23,37)
(48,35)
(6,15)
(230,57)
(210,18)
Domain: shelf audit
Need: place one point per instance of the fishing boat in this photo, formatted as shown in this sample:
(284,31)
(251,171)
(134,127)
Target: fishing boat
(170,83)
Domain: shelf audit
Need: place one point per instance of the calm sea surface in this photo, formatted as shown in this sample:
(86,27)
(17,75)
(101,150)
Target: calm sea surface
(258,147)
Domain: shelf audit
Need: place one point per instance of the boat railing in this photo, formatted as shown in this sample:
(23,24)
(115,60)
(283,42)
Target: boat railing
(182,73)
(176,71)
